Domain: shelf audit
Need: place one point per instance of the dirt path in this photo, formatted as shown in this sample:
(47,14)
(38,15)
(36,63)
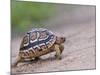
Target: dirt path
(79,52)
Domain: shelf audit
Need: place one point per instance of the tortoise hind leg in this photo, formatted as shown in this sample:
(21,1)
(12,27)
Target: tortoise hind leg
(16,61)
(58,51)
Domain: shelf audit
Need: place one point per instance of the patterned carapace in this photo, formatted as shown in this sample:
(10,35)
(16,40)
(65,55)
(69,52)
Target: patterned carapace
(37,40)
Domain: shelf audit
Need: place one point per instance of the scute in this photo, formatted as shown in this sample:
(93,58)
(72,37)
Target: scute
(39,38)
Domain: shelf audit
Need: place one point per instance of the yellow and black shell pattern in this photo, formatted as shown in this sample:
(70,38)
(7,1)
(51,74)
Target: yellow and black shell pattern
(36,40)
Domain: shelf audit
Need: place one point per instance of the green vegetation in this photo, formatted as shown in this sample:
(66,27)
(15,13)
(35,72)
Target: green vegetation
(29,14)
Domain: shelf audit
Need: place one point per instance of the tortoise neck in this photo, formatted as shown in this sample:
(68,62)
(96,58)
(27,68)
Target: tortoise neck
(57,40)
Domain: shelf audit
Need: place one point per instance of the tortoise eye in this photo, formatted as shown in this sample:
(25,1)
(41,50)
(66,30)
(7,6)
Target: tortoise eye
(63,39)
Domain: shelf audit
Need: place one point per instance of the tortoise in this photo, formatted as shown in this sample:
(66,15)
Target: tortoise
(38,42)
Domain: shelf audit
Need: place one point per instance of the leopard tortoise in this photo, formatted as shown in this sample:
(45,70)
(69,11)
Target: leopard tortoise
(38,42)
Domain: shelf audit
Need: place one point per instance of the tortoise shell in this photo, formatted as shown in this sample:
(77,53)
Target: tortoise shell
(36,40)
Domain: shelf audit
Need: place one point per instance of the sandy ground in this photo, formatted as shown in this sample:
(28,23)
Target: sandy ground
(79,52)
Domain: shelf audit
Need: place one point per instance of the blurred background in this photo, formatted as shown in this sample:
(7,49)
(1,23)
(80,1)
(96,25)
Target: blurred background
(75,22)
(28,15)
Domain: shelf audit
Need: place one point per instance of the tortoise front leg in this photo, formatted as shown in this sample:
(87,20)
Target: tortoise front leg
(61,47)
(58,52)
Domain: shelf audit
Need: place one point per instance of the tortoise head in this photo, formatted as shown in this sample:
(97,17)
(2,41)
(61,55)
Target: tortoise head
(60,40)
